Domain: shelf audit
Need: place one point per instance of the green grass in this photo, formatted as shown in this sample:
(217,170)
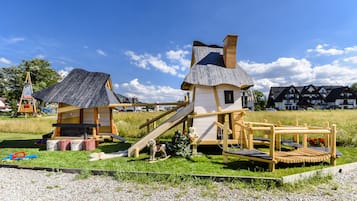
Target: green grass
(21,134)
(211,164)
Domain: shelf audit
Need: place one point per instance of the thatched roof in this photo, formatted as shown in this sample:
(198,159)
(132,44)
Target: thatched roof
(80,88)
(209,69)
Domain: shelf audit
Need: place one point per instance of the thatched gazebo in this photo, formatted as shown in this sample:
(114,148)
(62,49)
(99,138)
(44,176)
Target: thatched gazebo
(84,105)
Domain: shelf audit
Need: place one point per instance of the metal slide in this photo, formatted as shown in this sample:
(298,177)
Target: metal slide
(168,124)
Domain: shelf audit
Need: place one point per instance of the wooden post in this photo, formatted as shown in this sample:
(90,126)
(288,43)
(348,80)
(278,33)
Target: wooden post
(304,140)
(333,145)
(194,148)
(265,132)
(154,125)
(250,137)
(327,136)
(225,136)
(59,120)
(96,120)
(136,152)
(272,148)
(278,138)
(296,136)
(147,126)
(184,126)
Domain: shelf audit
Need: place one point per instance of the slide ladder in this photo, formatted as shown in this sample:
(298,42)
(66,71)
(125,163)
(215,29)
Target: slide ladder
(168,124)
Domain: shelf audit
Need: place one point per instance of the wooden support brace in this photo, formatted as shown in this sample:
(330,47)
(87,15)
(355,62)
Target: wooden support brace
(136,152)
(333,145)
(272,147)
(250,144)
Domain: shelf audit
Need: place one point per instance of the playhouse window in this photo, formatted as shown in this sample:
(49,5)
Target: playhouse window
(228,97)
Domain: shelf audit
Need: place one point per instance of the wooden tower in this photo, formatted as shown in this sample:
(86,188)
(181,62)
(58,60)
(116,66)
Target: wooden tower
(27,103)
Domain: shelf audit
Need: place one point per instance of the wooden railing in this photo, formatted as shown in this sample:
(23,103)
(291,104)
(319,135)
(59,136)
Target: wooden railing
(274,133)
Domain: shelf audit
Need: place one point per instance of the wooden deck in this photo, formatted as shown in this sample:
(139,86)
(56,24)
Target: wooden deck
(302,154)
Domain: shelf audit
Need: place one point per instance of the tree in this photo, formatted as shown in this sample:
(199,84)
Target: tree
(354,87)
(13,77)
(260,100)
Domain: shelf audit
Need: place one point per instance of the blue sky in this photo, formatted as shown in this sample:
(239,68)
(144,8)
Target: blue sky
(146,45)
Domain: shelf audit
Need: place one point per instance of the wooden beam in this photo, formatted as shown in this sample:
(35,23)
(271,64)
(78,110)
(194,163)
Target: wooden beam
(96,120)
(222,126)
(216,113)
(147,104)
(225,135)
(319,131)
(249,158)
(259,123)
(67,109)
(159,117)
(216,98)
(333,145)
(272,147)
(214,142)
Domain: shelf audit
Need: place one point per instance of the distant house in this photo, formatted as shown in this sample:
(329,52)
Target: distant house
(310,96)
(217,84)
(125,99)
(4,107)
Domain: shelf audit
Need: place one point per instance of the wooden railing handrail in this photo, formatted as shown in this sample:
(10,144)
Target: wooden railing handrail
(221,126)
(216,113)
(160,116)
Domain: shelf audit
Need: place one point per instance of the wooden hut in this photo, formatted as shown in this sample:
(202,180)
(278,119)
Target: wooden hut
(216,83)
(84,100)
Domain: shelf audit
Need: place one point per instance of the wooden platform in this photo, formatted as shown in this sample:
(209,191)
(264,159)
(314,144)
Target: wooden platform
(303,153)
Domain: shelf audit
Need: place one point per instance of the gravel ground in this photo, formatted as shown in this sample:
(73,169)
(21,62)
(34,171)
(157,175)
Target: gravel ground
(27,185)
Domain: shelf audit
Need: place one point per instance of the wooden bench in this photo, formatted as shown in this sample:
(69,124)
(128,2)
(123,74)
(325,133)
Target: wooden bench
(81,127)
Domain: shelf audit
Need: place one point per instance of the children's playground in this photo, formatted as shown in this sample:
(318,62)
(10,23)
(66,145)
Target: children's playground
(210,119)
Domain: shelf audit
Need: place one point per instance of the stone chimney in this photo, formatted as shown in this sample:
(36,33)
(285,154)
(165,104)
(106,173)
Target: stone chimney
(230,51)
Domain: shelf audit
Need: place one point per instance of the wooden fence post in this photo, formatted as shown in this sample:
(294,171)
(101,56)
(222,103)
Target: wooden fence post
(304,140)
(333,145)
(250,144)
(272,148)
(147,126)
(225,137)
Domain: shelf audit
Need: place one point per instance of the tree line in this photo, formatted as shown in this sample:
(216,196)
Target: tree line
(12,79)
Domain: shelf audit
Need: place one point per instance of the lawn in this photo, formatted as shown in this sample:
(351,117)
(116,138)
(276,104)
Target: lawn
(21,134)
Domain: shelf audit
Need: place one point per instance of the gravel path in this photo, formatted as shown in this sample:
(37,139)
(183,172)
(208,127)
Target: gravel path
(27,185)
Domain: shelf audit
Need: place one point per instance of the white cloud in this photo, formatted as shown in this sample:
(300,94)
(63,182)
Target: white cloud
(150,93)
(179,56)
(351,59)
(13,40)
(116,86)
(321,49)
(298,72)
(4,60)
(350,49)
(64,72)
(334,74)
(40,56)
(174,64)
(101,52)
(287,68)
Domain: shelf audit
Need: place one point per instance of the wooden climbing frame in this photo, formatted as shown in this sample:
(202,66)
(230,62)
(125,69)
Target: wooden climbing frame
(275,155)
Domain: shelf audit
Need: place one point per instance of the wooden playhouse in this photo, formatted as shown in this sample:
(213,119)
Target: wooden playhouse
(84,105)
(216,82)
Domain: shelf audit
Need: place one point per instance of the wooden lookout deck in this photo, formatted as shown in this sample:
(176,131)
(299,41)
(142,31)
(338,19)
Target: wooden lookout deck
(273,139)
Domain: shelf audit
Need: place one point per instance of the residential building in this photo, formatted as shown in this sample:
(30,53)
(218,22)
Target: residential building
(311,97)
